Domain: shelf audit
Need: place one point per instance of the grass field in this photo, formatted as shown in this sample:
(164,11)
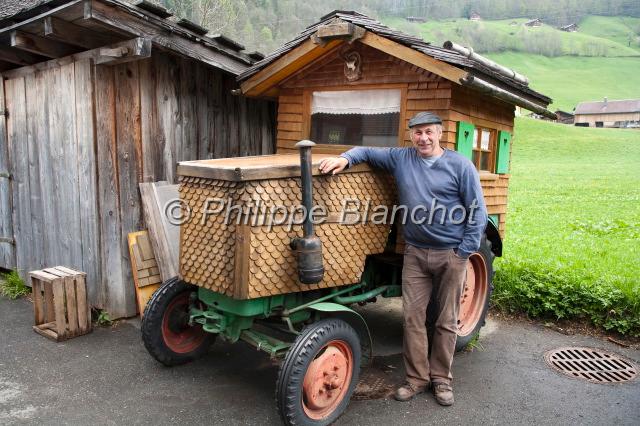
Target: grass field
(572,247)
(570,79)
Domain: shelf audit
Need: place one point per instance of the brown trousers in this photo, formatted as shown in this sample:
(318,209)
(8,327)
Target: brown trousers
(427,273)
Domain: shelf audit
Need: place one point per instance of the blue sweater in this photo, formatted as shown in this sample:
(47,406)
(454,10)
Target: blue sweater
(445,198)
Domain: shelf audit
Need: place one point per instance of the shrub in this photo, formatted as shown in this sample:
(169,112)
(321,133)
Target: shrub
(12,286)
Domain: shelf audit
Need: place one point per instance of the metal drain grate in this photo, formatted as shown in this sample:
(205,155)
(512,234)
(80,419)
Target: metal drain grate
(594,365)
(374,384)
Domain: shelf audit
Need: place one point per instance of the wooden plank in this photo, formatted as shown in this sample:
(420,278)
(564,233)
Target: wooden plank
(7,249)
(17,143)
(46,160)
(19,57)
(129,169)
(49,334)
(38,302)
(109,213)
(58,306)
(87,176)
(285,66)
(69,235)
(71,305)
(67,32)
(40,45)
(84,309)
(50,314)
(187,144)
(36,250)
(204,92)
(165,250)
(167,74)
(152,143)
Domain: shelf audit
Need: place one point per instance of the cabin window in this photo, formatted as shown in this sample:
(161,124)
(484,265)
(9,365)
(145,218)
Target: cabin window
(484,149)
(356,117)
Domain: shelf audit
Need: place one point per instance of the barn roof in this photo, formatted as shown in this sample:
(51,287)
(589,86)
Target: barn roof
(36,31)
(609,107)
(448,56)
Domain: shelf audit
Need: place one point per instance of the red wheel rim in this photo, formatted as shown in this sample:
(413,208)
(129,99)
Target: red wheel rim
(474,295)
(327,380)
(176,332)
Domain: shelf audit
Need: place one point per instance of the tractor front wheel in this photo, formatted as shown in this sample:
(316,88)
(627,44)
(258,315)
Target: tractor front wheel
(166,332)
(319,374)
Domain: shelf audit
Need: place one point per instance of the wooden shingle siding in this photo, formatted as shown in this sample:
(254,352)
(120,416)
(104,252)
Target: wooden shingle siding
(80,137)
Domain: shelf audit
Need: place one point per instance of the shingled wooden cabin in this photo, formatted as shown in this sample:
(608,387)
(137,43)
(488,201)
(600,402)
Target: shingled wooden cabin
(349,80)
(98,96)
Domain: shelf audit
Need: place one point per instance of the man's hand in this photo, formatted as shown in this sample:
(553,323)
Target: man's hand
(333,164)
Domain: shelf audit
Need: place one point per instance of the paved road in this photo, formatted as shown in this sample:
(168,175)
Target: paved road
(108,378)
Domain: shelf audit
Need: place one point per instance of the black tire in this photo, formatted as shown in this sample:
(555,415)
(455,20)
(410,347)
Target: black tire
(160,326)
(487,256)
(310,344)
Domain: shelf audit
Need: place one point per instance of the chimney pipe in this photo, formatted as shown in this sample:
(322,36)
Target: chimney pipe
(308,248)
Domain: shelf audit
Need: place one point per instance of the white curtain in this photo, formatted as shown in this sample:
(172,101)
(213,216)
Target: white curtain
(365,102)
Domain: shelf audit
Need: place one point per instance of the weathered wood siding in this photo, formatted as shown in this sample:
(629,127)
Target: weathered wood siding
(422,91)
(7,252)
(80,139)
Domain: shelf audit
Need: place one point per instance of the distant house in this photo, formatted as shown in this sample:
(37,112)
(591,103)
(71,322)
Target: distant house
(417,19)
(474,17)
(606,113)
(564,117)
(571,28)
(534,23)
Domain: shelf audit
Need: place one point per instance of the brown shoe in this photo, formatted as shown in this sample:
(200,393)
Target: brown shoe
(408,391)
(443,393)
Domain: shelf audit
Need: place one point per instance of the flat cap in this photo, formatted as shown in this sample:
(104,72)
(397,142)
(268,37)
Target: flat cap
(424,118)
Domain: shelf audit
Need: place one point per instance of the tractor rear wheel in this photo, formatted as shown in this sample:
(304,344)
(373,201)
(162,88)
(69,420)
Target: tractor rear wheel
(319,374)
(474,302)
(166,332)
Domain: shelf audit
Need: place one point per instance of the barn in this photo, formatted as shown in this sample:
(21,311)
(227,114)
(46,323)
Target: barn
(608,113)
(96,97)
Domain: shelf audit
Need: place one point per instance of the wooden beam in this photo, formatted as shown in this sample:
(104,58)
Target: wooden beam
(132,50)
(414,57)
(67,32)
(288,64)
(18,57)
(134,47)
(69,11)
(40,45)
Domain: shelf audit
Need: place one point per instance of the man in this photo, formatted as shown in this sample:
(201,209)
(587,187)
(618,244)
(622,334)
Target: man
(441,190)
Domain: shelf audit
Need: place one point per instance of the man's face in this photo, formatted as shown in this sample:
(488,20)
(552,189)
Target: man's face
(426,139)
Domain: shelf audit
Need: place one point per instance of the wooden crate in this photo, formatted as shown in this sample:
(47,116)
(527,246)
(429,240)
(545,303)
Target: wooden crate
(60,303)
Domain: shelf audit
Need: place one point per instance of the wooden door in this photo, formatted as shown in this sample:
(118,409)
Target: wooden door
(7,241)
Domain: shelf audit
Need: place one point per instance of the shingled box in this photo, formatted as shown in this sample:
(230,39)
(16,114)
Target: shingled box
(249,256)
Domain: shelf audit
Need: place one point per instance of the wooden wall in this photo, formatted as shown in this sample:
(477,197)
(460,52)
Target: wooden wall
(81,137)
(421,91)
(606,119)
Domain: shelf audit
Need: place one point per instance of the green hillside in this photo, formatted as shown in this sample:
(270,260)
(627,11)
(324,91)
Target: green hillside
(573,225)
(569,79)
(602,36)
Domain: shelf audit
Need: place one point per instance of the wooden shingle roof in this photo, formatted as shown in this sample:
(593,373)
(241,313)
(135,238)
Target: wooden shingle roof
(418,44)
(94,21)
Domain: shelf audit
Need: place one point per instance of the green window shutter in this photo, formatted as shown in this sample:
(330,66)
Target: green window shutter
(464,139)
(504,145)
(495,218)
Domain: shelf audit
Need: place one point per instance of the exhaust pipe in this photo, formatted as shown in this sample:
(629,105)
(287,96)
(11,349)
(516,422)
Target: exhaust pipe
(308,248)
